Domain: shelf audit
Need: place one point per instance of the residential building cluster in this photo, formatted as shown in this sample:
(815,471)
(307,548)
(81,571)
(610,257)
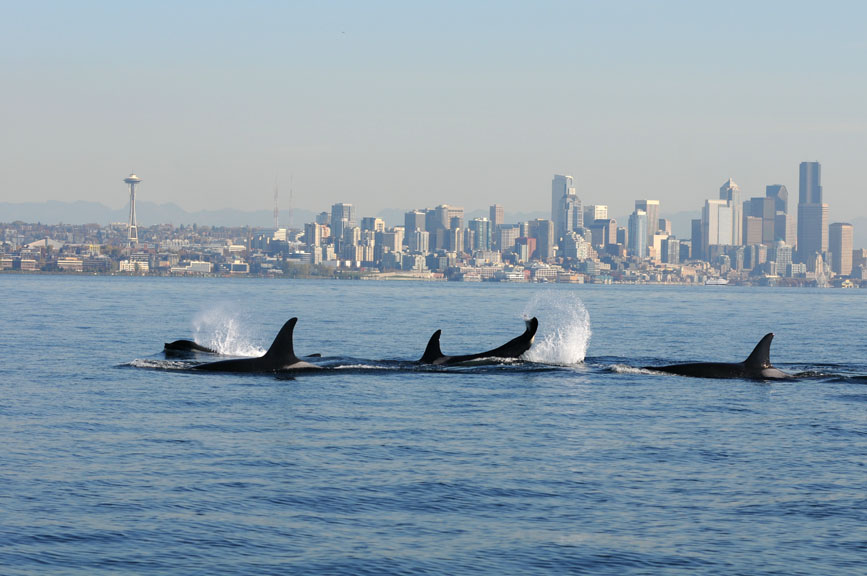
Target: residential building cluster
(746,241)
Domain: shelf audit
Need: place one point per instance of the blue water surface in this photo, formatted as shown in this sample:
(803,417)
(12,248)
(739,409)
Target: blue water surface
(117,460)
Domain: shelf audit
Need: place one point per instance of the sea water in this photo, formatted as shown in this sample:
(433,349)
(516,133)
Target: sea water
(116,459)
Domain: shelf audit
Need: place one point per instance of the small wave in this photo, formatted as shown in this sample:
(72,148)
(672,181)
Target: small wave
(625,369)
(564,328)
(153,364)
(362,366)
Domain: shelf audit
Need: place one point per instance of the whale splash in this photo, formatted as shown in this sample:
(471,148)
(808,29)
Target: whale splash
(564,328)
(224,331)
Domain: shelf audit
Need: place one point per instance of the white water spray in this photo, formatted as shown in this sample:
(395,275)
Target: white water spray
(564,328)
(222,329)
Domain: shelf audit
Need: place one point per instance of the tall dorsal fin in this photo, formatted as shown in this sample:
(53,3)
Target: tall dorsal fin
(432,352)
(761,356)
(282,350)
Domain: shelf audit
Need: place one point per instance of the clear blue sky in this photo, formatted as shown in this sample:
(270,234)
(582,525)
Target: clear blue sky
(410,104)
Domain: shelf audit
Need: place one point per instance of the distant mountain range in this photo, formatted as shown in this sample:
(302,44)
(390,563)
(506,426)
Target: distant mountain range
(149,213)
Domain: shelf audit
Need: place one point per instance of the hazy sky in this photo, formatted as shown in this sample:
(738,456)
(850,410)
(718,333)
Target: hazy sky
(410,104)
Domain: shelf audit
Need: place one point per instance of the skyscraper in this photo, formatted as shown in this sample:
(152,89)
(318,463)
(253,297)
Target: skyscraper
(481,228)
(812,214)
(372,223)
(764,208)
(812,232)
(342,217)
(595,212)
(732,193)
(780,195)
(841,244)
(651,209)
(560,186)
(543,232)
(496,211)
(638,233)
(810,183)
(696,240)
(413,220)
(717,222)
(569,216)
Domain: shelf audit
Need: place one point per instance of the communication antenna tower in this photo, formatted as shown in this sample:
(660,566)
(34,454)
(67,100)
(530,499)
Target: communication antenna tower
(291,192)
(276,209)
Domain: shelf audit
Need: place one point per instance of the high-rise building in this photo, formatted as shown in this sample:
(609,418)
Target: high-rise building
(419,241)
(392,240)
(543,232)
(671,250)
(784,228)
(496,217)
(763,208)
(664,225)
(496,211)
(374,224)
(342,217)
(810,183)
(840,239)
(481,228)
(859,257)
(812,232)
(456,239)
(603,231)
(595,212)
(638,233)
(438,222)
(752,230)
(812,214)
(696,242)
(313,234)
(731,192)
(780,195)
(413,220)
(569,216)
(560,186)
(651,209)
(507,236)
(781,253)
(716,226)
(623,236)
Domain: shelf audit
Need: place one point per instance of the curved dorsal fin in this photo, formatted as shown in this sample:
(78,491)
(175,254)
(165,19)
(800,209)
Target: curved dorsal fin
(282,350)
(761,356)
(432,352)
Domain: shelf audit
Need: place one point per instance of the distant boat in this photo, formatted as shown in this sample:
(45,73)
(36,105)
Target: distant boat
(716,282)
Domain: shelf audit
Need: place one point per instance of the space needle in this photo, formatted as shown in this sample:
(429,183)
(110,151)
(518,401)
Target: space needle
(132,180)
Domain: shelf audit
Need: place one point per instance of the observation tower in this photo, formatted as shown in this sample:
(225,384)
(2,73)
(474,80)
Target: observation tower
(132,180)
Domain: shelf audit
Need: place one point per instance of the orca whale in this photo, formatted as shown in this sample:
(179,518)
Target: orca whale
(186,347)
(514,348)
(280,356)
(756,367)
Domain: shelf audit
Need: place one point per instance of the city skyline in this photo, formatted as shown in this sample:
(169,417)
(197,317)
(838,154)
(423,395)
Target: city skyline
(371,105)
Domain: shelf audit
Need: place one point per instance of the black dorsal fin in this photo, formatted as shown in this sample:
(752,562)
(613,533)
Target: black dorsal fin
(282,350)
(761,356)
(432,352)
